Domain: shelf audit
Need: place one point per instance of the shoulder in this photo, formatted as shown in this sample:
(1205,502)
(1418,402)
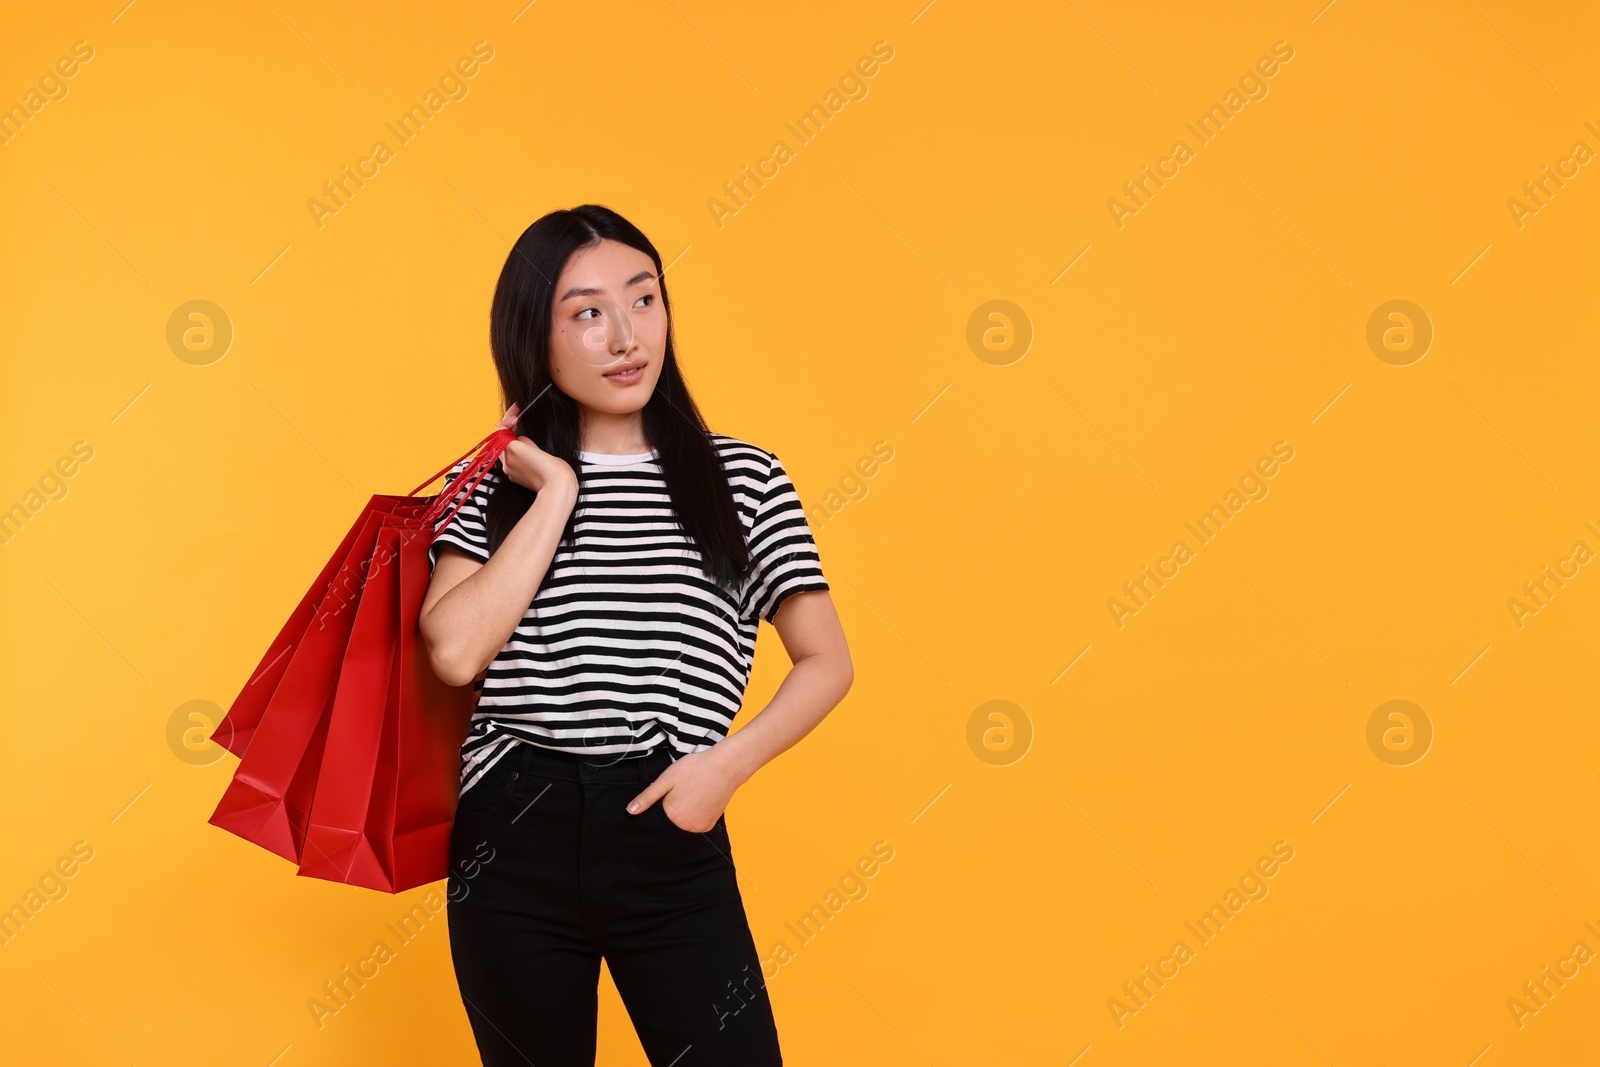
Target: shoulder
(491,478)
(734,451)
(749,468)
(747,464)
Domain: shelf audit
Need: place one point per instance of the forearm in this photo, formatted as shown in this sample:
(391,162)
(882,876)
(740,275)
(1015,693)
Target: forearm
(812,688)
(471,623)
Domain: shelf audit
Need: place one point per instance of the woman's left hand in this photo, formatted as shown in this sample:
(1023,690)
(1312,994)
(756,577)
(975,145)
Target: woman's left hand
(693,791)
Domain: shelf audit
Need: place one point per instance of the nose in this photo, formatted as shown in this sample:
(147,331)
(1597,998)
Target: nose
(606,338)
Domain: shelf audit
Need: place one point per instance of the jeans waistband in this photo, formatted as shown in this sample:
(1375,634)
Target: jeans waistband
(578,766)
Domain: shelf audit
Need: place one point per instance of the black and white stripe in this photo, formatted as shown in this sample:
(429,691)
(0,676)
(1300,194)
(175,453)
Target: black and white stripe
(629,643)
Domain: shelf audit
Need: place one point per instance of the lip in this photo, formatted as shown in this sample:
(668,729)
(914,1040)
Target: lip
(628,373)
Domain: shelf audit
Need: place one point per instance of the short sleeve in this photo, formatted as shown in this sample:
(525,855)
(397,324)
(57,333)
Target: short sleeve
(785,553)
(467,530)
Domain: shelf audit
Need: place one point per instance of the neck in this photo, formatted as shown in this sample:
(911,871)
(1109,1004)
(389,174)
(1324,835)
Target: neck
(612,433)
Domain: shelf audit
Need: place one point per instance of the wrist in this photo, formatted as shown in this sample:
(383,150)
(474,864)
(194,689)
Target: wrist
(736,761)
(562,492)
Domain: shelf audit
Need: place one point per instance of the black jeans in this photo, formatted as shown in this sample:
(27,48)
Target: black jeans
(549,873)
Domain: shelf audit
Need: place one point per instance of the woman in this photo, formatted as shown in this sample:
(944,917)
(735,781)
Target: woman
(603,587)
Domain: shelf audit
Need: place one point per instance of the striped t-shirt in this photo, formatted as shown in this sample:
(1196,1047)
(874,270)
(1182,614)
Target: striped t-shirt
(630,644)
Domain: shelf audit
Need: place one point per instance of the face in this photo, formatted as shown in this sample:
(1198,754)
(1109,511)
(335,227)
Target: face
(608,330)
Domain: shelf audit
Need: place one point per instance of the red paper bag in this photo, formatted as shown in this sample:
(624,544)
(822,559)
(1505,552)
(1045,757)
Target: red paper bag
(271,797)
(337,842)
(386,797)
(432,720)
(239,724)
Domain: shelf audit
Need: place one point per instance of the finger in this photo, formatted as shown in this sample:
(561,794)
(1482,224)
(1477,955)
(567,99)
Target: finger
(509,420)
(653,792)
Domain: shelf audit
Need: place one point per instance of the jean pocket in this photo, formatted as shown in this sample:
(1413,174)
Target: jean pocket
(485,795)
(718,828)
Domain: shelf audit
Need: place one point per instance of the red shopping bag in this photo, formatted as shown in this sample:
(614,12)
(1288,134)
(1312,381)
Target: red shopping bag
(239,724)
(386,796)
(427,745)
(270,798)
(343,799)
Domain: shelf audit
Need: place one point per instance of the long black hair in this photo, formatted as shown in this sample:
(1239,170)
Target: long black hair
(519,336)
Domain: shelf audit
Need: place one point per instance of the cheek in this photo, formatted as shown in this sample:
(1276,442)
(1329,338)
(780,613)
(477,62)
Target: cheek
(654,333)
(563,364)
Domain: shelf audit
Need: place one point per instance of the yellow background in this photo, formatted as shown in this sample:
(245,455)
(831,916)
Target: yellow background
(829,313)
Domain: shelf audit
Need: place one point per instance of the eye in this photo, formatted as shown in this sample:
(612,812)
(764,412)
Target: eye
(586,311)
(648,299)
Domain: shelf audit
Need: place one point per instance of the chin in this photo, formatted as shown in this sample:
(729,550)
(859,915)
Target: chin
(627,404)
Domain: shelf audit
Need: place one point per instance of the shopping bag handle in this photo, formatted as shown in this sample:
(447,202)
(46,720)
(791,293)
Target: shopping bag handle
(488,451)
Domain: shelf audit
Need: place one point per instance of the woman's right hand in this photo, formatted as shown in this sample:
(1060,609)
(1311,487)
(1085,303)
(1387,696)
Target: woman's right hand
(531,466)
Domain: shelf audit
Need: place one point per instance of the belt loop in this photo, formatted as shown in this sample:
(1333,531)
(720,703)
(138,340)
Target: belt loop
(650,767)
(518,758)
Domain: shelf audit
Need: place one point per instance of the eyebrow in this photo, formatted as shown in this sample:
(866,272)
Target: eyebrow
(642,276)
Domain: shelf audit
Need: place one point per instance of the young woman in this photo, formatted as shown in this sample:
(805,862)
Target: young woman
(603,587)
